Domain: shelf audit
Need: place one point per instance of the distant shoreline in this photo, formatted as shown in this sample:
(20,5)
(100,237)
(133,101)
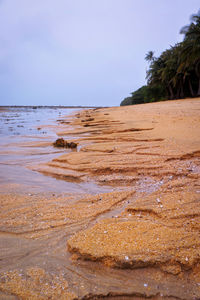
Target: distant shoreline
(48,106)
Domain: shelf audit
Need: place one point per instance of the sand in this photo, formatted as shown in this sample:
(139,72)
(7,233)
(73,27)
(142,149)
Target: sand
(141,239)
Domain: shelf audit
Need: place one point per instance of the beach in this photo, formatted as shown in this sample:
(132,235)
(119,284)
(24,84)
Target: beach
(116,218)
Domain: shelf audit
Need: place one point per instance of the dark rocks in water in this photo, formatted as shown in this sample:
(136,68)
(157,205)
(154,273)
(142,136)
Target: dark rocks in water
(64,144)
(60,143)
(72,145)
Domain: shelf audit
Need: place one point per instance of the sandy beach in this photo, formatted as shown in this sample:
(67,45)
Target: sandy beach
(129,225)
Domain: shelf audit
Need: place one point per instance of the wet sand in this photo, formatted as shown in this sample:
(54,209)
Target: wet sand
(133,233)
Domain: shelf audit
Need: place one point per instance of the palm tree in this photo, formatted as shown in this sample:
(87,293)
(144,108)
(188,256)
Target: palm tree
(168,72)
(150,56)
(177,69)
(191,46)
(188,71)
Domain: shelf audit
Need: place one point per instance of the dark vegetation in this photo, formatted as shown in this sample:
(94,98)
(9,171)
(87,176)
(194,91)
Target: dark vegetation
(175,74)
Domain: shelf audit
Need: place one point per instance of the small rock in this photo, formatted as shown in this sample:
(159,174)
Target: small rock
(62,143)
(72,145)
(59,143)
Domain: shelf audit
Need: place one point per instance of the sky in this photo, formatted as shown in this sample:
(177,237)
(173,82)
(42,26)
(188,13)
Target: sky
(83,52)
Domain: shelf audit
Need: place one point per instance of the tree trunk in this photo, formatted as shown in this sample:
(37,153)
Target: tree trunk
(171,92)
(197,70)
(168,93)
(181,89)
(190,87)
(198,93)
(178,92)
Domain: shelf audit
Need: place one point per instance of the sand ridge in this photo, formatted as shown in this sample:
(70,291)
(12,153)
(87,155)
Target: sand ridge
(123,144)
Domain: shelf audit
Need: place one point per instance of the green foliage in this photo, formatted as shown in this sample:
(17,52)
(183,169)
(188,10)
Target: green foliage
(144,94)
(127,101)
(176,72)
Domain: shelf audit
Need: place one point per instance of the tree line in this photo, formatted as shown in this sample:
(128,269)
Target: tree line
(175,74)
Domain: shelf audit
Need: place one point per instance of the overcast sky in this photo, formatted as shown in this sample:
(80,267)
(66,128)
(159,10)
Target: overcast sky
(82,52)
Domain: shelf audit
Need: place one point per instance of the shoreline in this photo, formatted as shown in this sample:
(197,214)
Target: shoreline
(49,106)
(139,240)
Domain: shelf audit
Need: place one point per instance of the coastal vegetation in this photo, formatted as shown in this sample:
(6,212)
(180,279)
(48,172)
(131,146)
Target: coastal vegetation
(175,74)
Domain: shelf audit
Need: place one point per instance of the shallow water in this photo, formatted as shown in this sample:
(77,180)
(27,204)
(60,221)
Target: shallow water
(20,129)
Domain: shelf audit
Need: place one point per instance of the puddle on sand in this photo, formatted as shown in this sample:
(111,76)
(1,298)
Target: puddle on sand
(148,185)
(20,128)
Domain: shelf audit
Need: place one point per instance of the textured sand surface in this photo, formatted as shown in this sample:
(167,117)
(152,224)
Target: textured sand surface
(141,240)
